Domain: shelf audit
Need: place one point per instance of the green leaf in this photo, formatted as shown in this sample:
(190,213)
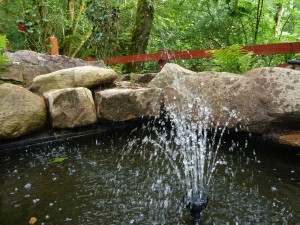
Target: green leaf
(57,160)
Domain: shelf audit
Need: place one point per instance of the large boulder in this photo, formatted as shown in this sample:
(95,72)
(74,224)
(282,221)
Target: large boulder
(26,65)
(124,104)
(258,101)
(21,111)
(85,76)
(71,107)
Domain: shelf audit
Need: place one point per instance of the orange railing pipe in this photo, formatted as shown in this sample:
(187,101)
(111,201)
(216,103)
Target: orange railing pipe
(165,55)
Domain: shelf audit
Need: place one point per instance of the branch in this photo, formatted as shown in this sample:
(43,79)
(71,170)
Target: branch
(82,41)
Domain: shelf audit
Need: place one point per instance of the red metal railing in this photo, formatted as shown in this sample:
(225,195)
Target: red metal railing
(164,56)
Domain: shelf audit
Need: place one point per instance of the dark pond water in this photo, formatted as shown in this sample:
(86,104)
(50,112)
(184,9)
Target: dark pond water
(114,178)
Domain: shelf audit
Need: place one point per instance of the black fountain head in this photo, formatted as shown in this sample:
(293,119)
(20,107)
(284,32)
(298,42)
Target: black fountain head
(195,201)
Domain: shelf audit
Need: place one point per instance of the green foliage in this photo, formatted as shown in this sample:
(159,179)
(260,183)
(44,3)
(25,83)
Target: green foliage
(104,28)
(234,59)
(3,59)
(105,19)
(10,12)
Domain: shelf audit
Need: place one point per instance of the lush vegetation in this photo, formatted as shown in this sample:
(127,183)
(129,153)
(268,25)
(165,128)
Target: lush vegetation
(104,28)
(3,59)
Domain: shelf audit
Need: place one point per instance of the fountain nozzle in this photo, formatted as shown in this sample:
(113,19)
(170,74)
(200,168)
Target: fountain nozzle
(195,201)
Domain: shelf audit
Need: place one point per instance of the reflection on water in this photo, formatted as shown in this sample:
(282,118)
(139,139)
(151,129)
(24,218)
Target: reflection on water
(114,178)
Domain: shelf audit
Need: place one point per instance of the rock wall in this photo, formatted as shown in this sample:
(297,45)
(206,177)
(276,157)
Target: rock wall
(263,100)
(70,103)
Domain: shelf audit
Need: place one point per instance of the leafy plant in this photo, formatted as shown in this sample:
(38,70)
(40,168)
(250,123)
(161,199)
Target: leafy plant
(3,58)
(234,59)
(131,78)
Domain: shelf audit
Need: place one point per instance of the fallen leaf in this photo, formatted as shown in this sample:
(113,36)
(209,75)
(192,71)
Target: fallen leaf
(32,220)
(57,160)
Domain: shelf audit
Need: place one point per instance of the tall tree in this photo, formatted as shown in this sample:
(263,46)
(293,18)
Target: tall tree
(141,33)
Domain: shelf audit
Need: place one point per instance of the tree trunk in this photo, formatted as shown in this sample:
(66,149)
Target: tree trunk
(72,44)
(142,28)
(259,11)
(278,18)
(66,47)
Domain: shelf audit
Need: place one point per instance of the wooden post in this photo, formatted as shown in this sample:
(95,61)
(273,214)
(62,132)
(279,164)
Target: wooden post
(164,56)
(52,46)
(162,63)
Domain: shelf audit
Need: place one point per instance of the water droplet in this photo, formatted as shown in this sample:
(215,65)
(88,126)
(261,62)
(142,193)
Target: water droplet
(28,186)
(273,189)
(35,200)
(15,204)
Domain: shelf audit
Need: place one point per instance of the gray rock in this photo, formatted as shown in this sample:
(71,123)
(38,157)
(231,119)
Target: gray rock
(85,76)
(257,101)
(124,104)
(71,107)
(26,65)
(21,111)
(171,72)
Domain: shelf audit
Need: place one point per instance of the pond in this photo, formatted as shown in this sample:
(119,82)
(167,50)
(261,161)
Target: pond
(117,178)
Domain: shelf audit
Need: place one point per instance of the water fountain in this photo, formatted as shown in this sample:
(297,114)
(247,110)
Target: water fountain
(197,141)
(140,177)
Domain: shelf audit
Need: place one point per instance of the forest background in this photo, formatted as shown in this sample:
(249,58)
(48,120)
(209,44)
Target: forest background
(105,28)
